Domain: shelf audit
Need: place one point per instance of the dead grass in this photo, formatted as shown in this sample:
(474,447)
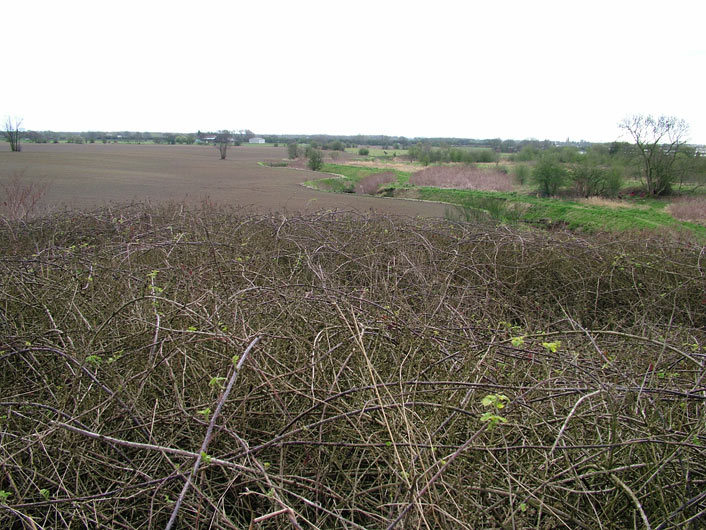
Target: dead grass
(612,203)
(387,164)
(463,177)
(689,209)
(370,184)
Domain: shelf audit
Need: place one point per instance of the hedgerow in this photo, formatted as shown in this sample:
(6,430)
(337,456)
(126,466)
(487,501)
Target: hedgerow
(212,367)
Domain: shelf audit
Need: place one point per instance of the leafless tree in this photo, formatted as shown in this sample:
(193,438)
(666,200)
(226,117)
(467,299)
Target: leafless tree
(12,132)
(223,140)
(658,141)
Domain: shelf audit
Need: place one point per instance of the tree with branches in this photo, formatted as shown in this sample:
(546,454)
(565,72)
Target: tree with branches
(223,140)
(12,133)
(658,143)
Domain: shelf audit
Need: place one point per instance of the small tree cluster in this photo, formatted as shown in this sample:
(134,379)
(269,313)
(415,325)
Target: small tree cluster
(186,139)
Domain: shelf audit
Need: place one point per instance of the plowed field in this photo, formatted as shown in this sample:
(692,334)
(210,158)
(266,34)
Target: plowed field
(95,174)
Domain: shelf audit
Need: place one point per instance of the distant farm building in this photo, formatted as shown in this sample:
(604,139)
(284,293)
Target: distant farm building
(257,140)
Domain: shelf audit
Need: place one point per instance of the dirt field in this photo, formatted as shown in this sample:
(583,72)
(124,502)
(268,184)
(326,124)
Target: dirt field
(95,174)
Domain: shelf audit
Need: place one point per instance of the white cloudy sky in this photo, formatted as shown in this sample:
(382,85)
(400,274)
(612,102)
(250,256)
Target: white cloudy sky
(509,69)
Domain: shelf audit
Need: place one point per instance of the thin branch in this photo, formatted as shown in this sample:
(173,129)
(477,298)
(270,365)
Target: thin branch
(634,499)
(209,432)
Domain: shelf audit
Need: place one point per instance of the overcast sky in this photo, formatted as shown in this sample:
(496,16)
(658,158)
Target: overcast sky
(510,69)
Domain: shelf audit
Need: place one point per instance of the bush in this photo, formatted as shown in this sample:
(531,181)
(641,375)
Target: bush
(315,160)
(20,198)
(363,151)
(522,173)
(548,175)
(592,180)
(293,150)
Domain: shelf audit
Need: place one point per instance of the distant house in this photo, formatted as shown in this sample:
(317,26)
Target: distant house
(257,140)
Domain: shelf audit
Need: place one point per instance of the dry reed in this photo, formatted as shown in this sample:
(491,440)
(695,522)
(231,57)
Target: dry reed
(463,177)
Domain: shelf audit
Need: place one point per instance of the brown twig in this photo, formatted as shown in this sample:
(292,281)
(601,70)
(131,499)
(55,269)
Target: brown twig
(209,432)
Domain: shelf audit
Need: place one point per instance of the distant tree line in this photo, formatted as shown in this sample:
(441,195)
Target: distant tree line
(427,154)
(401,142)
(90,137)
(327,142)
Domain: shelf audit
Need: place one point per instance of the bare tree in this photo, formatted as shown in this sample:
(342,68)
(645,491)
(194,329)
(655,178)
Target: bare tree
(223,140)
(12,132)
(658,141)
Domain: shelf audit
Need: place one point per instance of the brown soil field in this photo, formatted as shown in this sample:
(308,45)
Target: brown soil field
(96,174)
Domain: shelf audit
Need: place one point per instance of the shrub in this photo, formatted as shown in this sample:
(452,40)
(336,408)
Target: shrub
(20,199)
(363,151)
(548,175)
(293,150)
(315,160)
(522,173)
(592,180)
